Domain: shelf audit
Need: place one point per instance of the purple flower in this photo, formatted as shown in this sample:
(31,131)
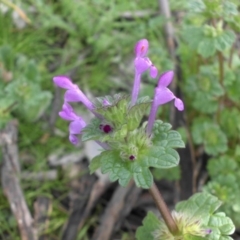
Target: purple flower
(105,103)
(208,231)
(76,125)
(73,93)
(142,64)
(163,95)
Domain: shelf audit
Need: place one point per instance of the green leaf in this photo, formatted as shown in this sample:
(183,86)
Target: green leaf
(143,177)
(194,218)
(225,40)
(210,135)
(92,131)
(199,205)
(222,222)
(207,47)
(204,90)
(170,138)
(205,103)
(193,36)
(150,224)
(118,169)
(202,206)
(221,166)
(95,164)
(116,112)
(229,122)
(136,113)
(229,76)
(160,157)
(34,109)
(233,89)
(164,137)
(170,174)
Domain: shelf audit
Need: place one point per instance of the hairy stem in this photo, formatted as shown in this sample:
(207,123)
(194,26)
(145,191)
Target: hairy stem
(163,209)
(136,87)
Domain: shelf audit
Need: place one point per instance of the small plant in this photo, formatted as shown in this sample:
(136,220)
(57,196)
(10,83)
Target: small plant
(131,147)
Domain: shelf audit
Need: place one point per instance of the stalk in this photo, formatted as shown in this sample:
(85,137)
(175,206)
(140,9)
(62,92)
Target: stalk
(221,78)
(163,209)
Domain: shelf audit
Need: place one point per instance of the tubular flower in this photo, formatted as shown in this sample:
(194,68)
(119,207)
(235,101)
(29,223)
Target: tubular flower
(73,93)
(163,95)
(142,64)
(76,125)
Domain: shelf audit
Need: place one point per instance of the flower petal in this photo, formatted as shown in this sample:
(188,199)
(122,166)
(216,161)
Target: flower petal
(141,48)
(153,71)
(106,103)
(63,82)
(165,79)
(72,96)
(76,126)
(73,139)
(178,103)
(163,95)
(67,112)
(141,65)
(78,96)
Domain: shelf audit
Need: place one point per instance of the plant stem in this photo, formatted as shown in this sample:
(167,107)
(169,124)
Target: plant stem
(221,67)
(231,56)
(17,9)
(163,209)
(221,78)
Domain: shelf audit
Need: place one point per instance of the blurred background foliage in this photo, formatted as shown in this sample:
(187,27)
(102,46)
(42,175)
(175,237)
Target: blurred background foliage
(92,41)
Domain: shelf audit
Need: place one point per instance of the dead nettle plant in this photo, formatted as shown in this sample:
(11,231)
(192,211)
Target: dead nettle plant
(130,147)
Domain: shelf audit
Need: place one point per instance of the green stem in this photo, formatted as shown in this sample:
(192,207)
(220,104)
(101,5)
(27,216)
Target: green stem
(221,67)
(163,209)
(221,78)
(231,56)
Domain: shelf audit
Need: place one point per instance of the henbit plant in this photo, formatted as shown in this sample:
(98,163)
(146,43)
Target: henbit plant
(131,147)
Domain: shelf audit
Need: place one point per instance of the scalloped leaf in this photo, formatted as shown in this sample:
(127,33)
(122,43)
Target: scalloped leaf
(150,224)
(221,166)
(118,169)
(95,164)
(160,157)
(165,137)
(202,206)
(209,134)
(143,178)
(194,215)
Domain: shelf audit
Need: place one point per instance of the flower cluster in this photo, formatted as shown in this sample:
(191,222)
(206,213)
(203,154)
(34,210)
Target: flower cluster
(142,63)
(73,94)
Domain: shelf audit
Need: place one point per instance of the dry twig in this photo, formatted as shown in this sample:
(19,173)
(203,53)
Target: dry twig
(10,182)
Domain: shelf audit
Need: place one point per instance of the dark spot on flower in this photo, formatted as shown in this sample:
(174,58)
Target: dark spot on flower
(131,157)
(105,128)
